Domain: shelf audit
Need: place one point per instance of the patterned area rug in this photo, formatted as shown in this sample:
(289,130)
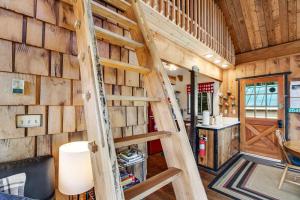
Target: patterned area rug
(251,178)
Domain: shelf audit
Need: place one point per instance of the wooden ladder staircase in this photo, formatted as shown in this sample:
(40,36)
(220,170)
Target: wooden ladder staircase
(182,171)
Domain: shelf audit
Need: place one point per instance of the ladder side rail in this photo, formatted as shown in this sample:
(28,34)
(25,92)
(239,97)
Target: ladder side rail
(144,59)
(189,186)
(106,174)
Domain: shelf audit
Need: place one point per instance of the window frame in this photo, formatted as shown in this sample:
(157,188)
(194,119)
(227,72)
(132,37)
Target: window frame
(200,94)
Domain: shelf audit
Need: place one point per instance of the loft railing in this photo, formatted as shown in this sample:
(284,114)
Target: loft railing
(203,19)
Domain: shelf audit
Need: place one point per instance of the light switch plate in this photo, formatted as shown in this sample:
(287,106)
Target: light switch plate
(29,121)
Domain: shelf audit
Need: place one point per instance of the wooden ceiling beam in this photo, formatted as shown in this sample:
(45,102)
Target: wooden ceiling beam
(270,52)
(176,54)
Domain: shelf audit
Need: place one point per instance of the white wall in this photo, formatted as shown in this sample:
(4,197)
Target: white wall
(181,86)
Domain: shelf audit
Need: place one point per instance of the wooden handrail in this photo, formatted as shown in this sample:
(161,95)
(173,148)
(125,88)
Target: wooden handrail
(203,19)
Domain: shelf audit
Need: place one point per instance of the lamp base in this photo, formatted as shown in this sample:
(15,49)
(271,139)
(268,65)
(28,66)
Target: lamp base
(91,194)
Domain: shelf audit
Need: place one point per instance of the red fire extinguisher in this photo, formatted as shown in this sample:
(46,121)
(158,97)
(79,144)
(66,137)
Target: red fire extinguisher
(202,146)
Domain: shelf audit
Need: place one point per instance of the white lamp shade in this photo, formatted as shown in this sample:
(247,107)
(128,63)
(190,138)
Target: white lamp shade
(75,170)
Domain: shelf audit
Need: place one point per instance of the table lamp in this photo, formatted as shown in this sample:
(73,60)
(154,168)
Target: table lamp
(75,170)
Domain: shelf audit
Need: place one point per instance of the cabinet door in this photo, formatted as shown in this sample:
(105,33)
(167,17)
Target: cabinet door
(224,145)
(235,143)
(228,144)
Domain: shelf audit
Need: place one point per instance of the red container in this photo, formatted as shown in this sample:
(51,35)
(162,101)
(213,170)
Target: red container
(155,145)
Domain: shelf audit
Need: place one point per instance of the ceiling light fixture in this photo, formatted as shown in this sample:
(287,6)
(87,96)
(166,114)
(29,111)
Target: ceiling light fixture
(209,56)
(170,67)
(225,65)
(217,61)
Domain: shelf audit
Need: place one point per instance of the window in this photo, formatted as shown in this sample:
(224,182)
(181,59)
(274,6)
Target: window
(261,100)
(205,97)
(205,102)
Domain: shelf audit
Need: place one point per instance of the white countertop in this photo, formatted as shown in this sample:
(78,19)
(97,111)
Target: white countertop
(227,122)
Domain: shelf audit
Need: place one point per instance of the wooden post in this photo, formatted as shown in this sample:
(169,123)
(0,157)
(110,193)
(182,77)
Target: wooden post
(194,111)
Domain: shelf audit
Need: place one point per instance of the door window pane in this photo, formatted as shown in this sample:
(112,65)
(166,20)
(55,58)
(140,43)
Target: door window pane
(260,88)
(250,89)
(260,112)
(249,100)
(272,88)
(272,113)
(261,100)
(272,100)
(250,112)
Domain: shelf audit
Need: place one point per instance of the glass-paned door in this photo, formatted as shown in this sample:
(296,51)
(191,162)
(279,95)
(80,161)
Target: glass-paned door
(261,106)
(261,100)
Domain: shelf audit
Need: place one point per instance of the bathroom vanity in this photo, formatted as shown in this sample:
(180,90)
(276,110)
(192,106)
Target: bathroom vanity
(221,145)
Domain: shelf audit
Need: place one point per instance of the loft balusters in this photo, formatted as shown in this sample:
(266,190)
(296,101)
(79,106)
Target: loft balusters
(203,19)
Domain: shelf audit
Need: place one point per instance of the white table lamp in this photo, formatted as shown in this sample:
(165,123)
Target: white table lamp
(75,170)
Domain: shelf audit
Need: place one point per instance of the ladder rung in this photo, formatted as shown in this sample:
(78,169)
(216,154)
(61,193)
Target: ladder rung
(121,65)
(116,39)
(114,16)
(121,4)
(151,185)
(137,139)
(131,98)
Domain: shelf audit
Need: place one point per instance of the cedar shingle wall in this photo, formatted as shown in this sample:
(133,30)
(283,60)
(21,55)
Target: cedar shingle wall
(38,44)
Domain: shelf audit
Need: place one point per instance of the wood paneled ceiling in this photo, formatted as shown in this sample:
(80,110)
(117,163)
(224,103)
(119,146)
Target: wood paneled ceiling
(256,24)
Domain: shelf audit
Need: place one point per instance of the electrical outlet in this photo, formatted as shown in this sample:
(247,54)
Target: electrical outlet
(29,121)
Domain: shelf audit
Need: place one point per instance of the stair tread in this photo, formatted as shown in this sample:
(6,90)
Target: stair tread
(136,139)
(151,185)
(121,4)
(112,15)
(121,65)
(132,98)
(116,39)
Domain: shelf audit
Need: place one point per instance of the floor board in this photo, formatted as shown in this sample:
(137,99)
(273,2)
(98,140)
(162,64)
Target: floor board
(157,164)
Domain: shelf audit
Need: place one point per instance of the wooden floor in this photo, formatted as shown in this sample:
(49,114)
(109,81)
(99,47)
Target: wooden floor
(157,164)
